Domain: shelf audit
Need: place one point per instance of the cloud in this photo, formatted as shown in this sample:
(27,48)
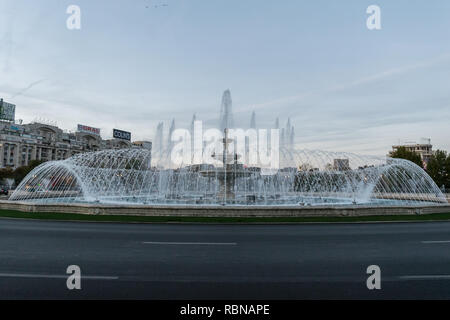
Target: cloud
(7,45)
(31,85)
(358,82)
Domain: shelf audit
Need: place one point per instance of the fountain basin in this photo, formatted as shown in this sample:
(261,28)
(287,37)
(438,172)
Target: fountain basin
(127,177)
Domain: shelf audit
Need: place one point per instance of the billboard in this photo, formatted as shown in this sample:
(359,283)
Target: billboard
(120,134)
(7,111)
(87,129)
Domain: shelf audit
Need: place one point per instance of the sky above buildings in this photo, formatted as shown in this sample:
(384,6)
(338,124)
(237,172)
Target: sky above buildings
(135,63)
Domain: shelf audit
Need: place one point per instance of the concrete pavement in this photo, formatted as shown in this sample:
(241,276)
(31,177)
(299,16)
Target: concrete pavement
(189,261)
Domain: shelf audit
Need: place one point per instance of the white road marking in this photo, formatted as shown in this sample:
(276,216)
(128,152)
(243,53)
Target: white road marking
(54,276)
(193,243)
(426,277)
(436,241)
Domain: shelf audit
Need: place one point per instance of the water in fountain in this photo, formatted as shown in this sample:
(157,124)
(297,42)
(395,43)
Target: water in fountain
(158,146)
(226,111)
(253,121)
(305,177)
(9,183)
(169,136)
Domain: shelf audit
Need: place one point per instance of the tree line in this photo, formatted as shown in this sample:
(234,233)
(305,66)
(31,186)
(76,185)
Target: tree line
(438,168)
(19,173)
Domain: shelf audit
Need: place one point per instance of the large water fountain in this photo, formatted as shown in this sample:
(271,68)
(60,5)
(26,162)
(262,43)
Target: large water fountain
(304,178)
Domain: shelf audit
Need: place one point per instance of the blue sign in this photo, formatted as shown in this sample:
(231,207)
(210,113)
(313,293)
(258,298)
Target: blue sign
(120,134)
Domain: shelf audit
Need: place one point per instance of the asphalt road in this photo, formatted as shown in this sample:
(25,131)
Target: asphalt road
(189,261)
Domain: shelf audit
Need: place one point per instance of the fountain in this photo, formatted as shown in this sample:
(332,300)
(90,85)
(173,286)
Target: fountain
(304,177)
(126,176)
(227,175)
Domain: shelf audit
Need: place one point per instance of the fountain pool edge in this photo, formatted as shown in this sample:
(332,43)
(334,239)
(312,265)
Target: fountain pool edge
(225,211)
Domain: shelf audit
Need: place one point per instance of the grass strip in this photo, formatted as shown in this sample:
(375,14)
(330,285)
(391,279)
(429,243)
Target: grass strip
(168,219)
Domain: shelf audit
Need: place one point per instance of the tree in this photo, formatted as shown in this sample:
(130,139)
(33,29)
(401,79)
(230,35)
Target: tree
(6,173)
(403,153)
(305,167)
(447,169)
(438,168)
(21,172)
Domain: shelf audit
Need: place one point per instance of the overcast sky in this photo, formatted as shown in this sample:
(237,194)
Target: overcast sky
(132,64)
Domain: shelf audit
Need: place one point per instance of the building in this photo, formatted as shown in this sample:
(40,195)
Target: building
(143,144)
(7,111)
(116,144)
(22,143)
(341,164)
(424,149)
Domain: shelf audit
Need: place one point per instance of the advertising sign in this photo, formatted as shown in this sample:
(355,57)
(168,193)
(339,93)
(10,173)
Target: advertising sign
(7,111)
(120,134)
(87,129)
